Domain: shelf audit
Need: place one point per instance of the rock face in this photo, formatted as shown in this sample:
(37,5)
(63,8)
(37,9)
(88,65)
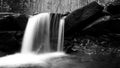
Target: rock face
(113,7)
(14,22)
(11,32)
(93,20)
(95,32)
(82,17)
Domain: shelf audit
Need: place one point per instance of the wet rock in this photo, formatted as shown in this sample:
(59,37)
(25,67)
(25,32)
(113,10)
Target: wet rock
(108,31)
(93,54)
(113,7)
(9,43)
(14,22)
(98,39)
(2,53)
(12,27)
(82,17)
(54,27)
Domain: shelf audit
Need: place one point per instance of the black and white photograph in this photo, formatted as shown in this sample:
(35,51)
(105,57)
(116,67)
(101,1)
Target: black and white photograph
(59,33)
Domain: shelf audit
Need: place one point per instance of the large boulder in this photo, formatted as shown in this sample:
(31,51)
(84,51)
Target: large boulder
(94,37)
(82,17)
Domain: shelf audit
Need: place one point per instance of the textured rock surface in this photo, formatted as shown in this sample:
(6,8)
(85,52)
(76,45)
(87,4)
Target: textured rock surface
(82,17)
(12,27)
(96,40)
(13,22)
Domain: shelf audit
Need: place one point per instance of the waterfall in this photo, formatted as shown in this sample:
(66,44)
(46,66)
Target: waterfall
(61,35)
(36,37)
(37,34)
(36,48)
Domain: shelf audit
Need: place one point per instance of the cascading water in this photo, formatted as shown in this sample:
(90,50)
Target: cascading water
(36,37)
(61,35)
(36,43)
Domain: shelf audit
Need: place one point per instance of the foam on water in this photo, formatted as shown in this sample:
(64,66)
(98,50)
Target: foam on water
(20,59)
